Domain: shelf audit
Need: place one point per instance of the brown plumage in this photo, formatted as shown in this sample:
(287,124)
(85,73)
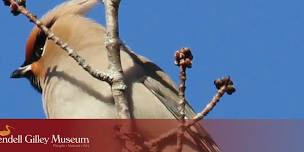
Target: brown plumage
(70,92)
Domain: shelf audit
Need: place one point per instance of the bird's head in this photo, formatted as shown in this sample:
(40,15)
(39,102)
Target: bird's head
(31,68)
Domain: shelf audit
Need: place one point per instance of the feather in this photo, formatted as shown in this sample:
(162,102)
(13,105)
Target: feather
(87,34)
(79,7)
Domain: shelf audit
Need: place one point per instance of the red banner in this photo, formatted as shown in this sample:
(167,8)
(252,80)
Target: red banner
(99,135)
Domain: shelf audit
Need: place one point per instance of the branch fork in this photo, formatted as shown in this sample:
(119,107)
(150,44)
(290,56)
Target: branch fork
(224,85)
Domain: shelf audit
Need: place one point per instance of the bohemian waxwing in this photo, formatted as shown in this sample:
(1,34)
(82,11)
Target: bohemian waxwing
(70,92)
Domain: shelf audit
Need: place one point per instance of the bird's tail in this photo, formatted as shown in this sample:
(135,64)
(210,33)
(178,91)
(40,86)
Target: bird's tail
(202,138)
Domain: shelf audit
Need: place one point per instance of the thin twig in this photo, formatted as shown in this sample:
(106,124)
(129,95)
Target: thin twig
(183,59)
(18,7)
(224,85)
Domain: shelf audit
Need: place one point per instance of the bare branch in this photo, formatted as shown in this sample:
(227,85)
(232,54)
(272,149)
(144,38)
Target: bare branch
(113,45)
(224,85)
(183,59)
(18,7)
(114,75)
(132,140)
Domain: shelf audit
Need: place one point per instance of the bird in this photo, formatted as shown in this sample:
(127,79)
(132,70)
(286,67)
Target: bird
(6,132)
(69,92)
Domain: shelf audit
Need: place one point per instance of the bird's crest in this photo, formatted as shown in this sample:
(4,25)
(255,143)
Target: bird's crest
(80,7)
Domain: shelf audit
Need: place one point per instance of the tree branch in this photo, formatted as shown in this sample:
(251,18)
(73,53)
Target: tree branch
(18,7)
(114,76)
(131,140)
(113,45)
(224,85)
(183,59)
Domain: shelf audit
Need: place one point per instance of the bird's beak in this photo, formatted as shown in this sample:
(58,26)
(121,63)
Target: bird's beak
(21,72)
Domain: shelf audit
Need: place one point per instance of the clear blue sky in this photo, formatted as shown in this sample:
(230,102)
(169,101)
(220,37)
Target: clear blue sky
(258,43)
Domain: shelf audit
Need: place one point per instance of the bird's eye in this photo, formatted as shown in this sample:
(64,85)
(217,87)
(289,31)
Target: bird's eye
(37,42)
(38,52)
(38,49)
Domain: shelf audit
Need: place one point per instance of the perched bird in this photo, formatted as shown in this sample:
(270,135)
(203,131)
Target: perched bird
(70,92)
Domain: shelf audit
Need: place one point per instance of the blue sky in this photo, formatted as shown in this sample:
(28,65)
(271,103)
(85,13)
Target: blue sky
(258,43)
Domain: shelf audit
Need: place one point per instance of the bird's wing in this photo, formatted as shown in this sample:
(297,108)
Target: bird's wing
(160,84)
(155,80)
(166,96)
(170,100)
